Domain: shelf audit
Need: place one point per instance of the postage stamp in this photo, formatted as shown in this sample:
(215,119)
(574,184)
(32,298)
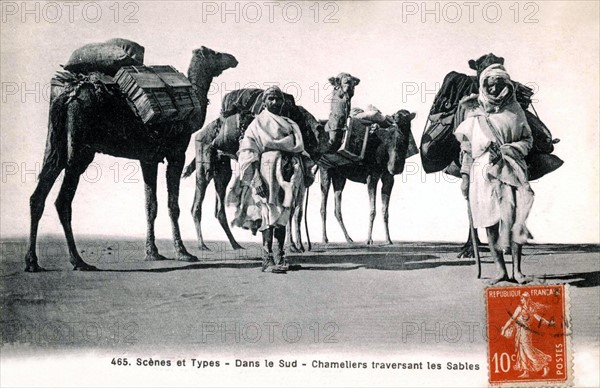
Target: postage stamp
(529,331)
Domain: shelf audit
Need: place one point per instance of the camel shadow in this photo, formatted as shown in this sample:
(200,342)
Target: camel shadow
(197,266)
(386,258)
(580,279)
(543,249)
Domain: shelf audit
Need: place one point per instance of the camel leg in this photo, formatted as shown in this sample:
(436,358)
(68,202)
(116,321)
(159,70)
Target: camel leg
(467,249)
(149,172)
(50,171)
(298,214)
(339,182)
(387,181)
(75,168)
(288,234)
(174,169)
(222,178)
(291,245)
(296,245)
(203,178)
(205,161)
(372,180)
(325,184)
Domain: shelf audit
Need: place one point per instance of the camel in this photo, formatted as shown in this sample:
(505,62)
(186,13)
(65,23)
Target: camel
(86,121)
(211,163)
(384,157)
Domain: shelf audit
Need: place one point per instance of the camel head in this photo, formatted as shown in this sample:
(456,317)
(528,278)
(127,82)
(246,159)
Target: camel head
(344,84)
(396,140)
(207,63)
(484,61)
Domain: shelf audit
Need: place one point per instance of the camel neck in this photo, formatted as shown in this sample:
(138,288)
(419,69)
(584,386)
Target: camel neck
(201,80)
(341,104)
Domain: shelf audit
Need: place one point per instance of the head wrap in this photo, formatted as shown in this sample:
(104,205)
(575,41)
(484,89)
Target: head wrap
(272,90)
(490,102)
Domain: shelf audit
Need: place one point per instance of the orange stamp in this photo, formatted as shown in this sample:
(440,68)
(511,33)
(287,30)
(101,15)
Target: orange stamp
(529,335)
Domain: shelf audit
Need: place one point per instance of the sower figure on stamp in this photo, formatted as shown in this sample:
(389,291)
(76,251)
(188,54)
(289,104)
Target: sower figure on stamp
(522,324)
(272,165)
(495,138)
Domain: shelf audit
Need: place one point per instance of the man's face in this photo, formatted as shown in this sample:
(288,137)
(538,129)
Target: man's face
(495,86)
(274,103)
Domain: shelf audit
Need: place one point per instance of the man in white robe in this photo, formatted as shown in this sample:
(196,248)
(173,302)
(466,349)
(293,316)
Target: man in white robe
(271,164)
(495,138)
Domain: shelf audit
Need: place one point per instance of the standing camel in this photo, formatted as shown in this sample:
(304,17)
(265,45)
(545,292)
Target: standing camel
(87,120)
(384,157)
(211,163)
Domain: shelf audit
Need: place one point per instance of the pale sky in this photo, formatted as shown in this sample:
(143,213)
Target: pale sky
(398,57)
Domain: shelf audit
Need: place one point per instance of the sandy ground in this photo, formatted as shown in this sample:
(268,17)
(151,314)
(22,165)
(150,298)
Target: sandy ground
(336,299)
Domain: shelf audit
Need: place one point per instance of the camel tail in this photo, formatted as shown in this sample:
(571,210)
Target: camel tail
(189,170)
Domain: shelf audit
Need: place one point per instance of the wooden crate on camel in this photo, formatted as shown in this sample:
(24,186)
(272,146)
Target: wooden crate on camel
(158,94)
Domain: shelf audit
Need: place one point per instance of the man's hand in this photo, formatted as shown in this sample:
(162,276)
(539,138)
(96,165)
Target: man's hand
(495,153)
(260,187)
(464,186)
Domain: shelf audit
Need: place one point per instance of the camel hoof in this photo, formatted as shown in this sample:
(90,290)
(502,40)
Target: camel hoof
(83,266)
(236,246)
(292,248)
(369,242)
(325,240)
(186,257)
(302,250)
(466,253)
(203,247)
(154,257)
(34,268)
(349,240)
(389,242)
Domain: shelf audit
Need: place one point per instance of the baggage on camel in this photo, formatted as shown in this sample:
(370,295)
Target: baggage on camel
(154,94)
(158,93)
(238,108)
(439,147)
(250,100)
(360,126)
(106,57)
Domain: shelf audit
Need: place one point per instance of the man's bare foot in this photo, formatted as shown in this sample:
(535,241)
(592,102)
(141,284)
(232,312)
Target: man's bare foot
(522,279)
(525,374)
(502,277)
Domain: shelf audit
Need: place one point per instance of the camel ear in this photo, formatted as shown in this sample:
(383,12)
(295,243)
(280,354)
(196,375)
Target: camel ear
(355,80)
(501,60)
(204,51)
(334,81)
(413,115)
(473,64)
